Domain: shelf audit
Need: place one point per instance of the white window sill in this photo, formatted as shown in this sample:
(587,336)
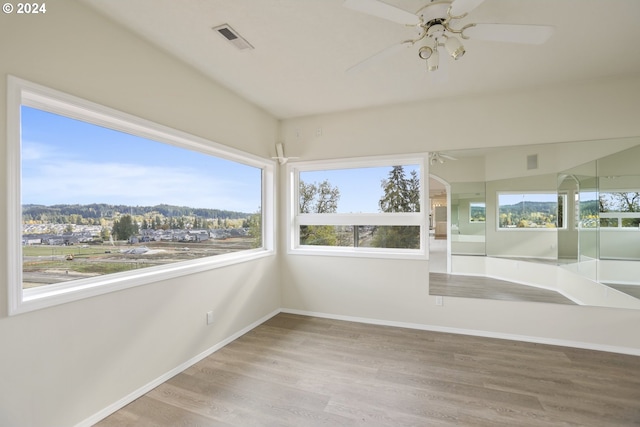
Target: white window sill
(61,293)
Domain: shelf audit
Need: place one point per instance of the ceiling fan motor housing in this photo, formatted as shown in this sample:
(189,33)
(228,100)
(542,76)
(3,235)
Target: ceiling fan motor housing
(435,11)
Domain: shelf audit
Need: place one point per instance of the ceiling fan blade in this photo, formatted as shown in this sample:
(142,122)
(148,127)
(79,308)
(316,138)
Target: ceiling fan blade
(383,10)
(513,33)
(461,7)
(379,57)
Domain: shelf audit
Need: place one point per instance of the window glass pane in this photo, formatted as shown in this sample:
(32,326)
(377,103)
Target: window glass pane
(631,222)
(477,212)
(365,236)
(97,201)
(621,201)
(620,209)
(588,209)
(359,190)
(608,222)
(528,210)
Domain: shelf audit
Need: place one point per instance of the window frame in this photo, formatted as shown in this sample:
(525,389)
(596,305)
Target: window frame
(296,219)
(21,92)
(519,229)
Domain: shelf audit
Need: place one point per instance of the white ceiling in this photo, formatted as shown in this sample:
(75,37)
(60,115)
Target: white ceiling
(303,47)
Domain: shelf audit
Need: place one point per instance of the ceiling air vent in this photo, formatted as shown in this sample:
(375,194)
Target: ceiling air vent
(233,37)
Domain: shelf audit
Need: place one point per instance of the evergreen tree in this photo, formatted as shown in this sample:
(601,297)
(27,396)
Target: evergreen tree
(124,228)
(401,194)
(396,192)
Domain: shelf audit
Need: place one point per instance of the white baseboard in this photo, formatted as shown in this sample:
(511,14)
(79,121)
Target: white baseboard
(473,332)
(175,371)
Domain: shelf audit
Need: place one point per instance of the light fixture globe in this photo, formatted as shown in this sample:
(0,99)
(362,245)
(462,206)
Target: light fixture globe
(454,47)
(433,61)
(430,45)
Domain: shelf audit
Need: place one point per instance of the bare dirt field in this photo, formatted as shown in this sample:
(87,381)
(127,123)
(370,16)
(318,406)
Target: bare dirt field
(43,265)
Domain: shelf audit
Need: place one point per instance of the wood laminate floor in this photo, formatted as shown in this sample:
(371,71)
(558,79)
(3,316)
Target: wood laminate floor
(303,371)
(488,288)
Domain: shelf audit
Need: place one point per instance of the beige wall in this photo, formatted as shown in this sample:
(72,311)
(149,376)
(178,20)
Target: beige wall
(580,111)
(398,290)
(61,365)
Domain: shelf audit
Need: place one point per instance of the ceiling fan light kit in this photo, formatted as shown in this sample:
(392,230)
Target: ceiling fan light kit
(454,47)
(433,62)
(434,25)
(430,46)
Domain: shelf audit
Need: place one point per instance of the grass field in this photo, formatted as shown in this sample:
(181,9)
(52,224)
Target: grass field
(43,265)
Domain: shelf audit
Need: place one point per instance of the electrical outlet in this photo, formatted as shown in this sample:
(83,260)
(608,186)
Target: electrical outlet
(439,300)
(209,317)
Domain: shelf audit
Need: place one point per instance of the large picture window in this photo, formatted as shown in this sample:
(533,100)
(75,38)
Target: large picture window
(531,210)
(103,199)
(361,207)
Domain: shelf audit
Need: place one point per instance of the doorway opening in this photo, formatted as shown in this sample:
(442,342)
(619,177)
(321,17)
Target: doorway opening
(439,225)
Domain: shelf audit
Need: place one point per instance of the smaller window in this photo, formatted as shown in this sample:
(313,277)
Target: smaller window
(477,212)
(531,210)
(620,209)
(362,207)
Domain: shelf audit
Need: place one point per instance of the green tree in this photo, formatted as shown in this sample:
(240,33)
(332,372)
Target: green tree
(254,223)
(401,194)
(318,198)
(105,233)
(124,228)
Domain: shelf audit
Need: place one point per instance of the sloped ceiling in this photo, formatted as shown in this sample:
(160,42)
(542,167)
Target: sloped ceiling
(303,47)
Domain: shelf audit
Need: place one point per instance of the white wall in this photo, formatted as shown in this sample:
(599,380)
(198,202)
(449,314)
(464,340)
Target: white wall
(61,365)
(396,291)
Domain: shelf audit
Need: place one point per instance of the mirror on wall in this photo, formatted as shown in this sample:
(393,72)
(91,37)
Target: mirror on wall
(549,222)
(468,218)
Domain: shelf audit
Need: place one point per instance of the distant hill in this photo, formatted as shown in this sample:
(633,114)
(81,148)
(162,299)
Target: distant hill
(103,210)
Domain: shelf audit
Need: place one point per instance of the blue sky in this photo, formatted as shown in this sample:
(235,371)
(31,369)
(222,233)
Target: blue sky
(66,161)
(360,189)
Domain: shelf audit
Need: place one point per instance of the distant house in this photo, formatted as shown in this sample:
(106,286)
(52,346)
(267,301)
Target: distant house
(219,233)
(69,239)
(199,235)
(28,240)
(54,240)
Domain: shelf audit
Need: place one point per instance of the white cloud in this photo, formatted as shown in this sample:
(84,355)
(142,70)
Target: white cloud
(55,181)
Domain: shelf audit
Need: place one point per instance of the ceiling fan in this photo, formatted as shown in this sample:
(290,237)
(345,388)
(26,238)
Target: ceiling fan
(437,157)
(436,29)
(280,157)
